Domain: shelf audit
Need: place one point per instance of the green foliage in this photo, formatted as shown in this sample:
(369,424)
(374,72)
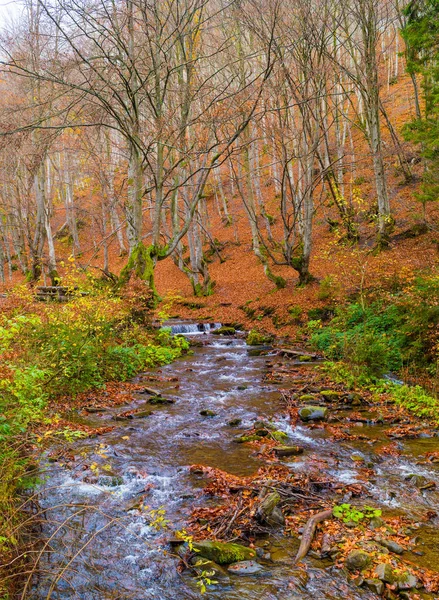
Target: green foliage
(349,514)
(421,35)
(256,338)
(396,330)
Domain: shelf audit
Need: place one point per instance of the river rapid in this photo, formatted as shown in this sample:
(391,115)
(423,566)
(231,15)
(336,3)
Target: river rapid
(98,543)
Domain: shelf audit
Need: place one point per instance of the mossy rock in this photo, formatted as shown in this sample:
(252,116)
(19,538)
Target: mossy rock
(305,358)
(357,560)
(242,439)
(279,436)
(158,400)
(223,553)
(207,413)
(264,425)
(256,338)
(234,422)
(306,398)
(330,395)
(313,413)
(224,331)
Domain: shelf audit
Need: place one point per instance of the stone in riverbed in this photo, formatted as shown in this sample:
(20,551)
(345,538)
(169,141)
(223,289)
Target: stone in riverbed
(223,553)
(288,450)
(279,436)
(242,439)
(391,545)
(407,581)
(357,560)
(330,395)
(384,572)
(306,398)
(313,413)
(207,413)
(234,423)
(245,567)
(224,331)
(157,400)
(375,585)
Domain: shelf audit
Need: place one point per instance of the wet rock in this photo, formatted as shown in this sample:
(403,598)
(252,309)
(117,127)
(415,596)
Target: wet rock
(223,553)
(375,585)
(224,331)
(406,581)
(245,567)
(357,560)
(288,450)
(201,564)
(255,338)
(376,523)
(241,388)
(242,439)
(264,425)
(330,395)
(268,511)
(391,545)
(158,400)
(234,423)
(354,399)
(305,358)
(313,413)
(207,413)
(306,398)
(384,572)
(262,432)
(416,480)
(279,436)
(357,457)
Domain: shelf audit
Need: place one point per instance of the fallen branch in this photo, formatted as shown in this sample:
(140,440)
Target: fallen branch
(308,533)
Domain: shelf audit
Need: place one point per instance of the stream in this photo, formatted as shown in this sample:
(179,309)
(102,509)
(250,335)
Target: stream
(100,545)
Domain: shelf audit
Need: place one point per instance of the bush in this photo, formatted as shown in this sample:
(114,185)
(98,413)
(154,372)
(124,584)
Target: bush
(394,331)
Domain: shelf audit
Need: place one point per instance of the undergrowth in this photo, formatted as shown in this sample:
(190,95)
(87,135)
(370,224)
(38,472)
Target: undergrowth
(388,332)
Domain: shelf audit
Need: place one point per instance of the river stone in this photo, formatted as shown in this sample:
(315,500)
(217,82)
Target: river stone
(305,358)
(313,413)
(407,581)
(357,560)
(330,395)
(384,572)
(242,439)
(160,400)
(375,585)
(264,425)
(392,546)
(279,436)
(207,413)
(234,423)
(223,553)
(306,398)
(288,450)
(376,523)
(245,567)
(224,331)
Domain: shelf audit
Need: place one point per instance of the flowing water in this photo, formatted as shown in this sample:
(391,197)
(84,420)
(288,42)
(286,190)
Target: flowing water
(99,544)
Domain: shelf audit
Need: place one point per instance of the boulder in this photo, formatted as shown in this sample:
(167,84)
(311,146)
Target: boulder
(406,581)
(384,572)
(357,560)
(306,398)
(330,395)
(207,413)
(268,511)
(245,567)
(234,422)
(224,331)
(242,439)
(313,413)
(157,400)
(288,450)
(279,436)
(390,545)
(375,585)
(223,553)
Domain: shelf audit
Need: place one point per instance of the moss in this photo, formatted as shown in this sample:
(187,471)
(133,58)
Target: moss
(255,338)
(224,331)
(279,436)
(141,262)
(223,553)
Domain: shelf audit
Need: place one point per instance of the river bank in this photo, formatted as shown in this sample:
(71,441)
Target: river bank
(180,456)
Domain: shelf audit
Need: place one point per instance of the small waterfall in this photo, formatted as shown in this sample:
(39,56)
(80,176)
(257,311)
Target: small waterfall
(192,328)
